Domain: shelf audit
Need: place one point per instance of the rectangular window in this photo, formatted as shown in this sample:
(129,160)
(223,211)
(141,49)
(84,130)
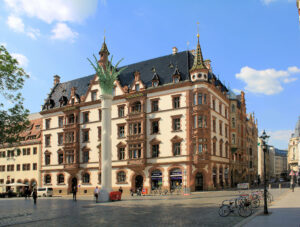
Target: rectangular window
(47,123)
(60,158)
(60,122)
(18,167)
(176,102)
(99,133)
(121,131)
(214,125)
(135,151)
(176,124)
(34,166)
(24,151)
(200,148)
(121,152)
(225,112)
(85,117)
(233,122)
(220,108)
(34,150)
(214,105)
(47,159)
(195,121)
(94,95)
(155,127)
(85,156)
(195,99)
(226,133)
(204,99)
(60,139)
(221,127)
(200,122)
(121,111)
(28,151)
(137,87)
(176,149)
(85,136)
(199,98)
(135,128)
(100,115)
(154,105)
(155,151)
(233,139)
(47,141)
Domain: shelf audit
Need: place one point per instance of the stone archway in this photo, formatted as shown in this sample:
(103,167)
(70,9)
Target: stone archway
(73,182)
(139,181)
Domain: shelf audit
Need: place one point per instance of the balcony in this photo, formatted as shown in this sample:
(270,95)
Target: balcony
(71,167)
(70,126)
(135,137)
(200,158)
(201,107)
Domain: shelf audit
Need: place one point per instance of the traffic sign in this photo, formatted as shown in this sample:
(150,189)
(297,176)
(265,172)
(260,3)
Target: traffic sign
(292,173)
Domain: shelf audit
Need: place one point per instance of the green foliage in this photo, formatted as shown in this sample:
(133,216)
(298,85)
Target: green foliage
(106,75)
(12,120)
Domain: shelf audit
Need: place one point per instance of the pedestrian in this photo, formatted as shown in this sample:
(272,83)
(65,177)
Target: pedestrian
(96,192)
(131,191)
(74,193)
(26,192)
(121,190)
(34,196)
(292,186)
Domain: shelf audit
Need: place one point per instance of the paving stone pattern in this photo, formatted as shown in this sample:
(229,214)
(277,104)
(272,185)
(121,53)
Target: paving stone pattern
(198,209)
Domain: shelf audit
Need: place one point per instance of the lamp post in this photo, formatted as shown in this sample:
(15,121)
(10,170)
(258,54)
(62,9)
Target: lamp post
(264,137)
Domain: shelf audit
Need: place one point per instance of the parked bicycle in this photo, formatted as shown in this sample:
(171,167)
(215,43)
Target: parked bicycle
(242,205)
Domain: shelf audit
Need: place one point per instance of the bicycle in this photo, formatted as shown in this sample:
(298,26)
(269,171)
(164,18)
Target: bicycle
(241,204)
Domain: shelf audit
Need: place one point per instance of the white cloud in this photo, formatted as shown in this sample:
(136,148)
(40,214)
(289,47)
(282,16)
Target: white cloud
(54,10)
(15,23)
(23,60)
(61,31)
(237,91)
(33,33)
(279,138)
(268,81)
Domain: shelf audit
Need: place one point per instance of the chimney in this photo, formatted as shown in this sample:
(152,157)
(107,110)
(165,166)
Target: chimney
(174,50)
(56,79)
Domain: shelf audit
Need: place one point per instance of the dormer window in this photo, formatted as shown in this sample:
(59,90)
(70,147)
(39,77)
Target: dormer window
(193,76)
(176,80)
(199,75)
(73,101)
(137,87)
(155,83)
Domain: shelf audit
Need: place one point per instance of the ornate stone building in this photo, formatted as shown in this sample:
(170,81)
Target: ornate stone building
(294,149)
(21,162)
(170,128)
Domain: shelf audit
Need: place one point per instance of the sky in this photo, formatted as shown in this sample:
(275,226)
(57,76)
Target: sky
(253,45)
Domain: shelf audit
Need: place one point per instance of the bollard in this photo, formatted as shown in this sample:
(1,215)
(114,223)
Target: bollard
(279,186)
(269,186)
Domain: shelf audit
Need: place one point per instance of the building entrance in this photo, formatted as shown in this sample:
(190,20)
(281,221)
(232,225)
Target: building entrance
(199,182)
(72,184)
(139,182)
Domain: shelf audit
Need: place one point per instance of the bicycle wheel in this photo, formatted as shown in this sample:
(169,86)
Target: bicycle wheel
(255,203)
(224,210)
(245,211)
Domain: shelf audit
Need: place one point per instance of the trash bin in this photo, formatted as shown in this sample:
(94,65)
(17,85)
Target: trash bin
(145,191)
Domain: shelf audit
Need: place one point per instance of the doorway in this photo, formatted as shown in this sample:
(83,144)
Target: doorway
(139,182)
(199,182)
(72,184)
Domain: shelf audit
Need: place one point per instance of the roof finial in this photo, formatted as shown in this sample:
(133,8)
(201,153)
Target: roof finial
(198,31)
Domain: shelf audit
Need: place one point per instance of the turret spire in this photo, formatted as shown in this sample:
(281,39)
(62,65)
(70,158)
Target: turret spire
(198,59)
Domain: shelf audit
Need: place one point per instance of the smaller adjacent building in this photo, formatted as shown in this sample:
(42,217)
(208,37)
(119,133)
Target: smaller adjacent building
(278,162)
(20,163)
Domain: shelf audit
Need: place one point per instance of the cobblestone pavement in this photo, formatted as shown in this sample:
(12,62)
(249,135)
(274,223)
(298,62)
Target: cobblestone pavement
(198,209)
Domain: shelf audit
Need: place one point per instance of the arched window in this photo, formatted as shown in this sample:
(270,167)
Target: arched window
(86,178)
(121,177)
(47,179)
(60,179)
(221,148)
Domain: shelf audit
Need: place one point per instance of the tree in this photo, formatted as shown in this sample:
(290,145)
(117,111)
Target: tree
(13,116)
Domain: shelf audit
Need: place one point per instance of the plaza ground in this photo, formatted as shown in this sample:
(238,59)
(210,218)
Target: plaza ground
(198,209)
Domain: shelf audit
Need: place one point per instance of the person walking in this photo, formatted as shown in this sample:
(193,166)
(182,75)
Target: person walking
(292,185)
(131,191)
(121,189)
(96,192)
(34,196)
(74,193)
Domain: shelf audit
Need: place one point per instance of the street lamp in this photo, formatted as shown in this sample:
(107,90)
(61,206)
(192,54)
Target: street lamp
(264,137)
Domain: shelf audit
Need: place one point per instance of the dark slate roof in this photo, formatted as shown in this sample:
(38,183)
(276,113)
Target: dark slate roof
(164,67)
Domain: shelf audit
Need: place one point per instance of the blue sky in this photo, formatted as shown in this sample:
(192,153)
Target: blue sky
(253,45)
